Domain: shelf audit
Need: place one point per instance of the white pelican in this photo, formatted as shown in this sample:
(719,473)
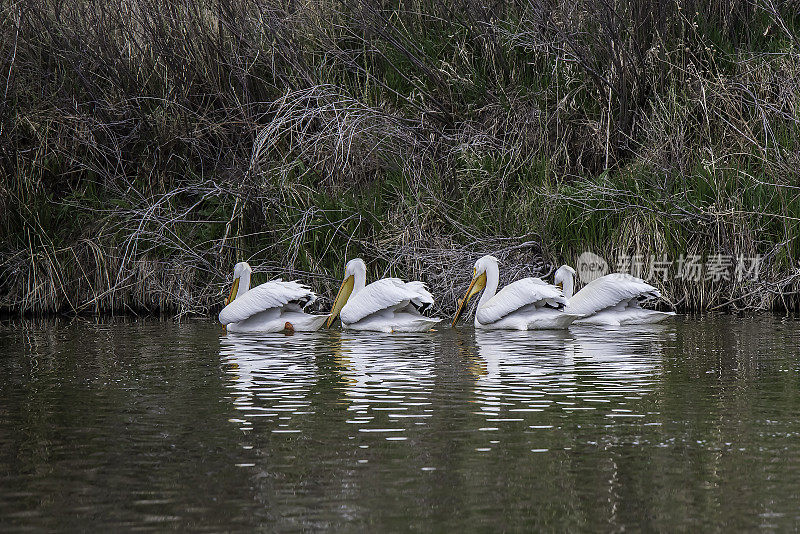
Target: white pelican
(527,304)
(612,300)
(387,305)
(275,306)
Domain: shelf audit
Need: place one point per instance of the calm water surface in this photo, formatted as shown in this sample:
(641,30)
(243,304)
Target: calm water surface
(155,425)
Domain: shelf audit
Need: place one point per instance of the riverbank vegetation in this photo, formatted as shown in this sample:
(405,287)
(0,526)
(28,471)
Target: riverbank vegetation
(147,146)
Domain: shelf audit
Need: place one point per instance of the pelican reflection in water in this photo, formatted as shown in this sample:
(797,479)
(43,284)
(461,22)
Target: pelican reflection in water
(271,376)
(386,378)
(581,369)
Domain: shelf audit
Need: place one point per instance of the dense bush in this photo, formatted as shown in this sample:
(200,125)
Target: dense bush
(147,145)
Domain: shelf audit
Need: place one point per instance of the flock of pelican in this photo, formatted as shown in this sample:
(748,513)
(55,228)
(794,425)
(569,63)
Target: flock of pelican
(392,305)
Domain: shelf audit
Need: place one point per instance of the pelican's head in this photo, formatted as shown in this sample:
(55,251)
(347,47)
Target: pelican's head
(354,268)
(239,270)
(477,284)
(565,272)
(564,279)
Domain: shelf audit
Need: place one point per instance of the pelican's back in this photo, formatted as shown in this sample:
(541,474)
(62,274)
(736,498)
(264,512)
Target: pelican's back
(610,291)
(519,294)
(384,294)
(274,294)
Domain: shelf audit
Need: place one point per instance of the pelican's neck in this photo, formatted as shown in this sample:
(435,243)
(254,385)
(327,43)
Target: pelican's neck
(244,284)
(359,280)
(569,286)
(492,279)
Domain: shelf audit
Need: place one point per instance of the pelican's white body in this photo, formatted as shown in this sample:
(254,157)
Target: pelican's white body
(386,305)
(268,307)
(611,300)
(527,304)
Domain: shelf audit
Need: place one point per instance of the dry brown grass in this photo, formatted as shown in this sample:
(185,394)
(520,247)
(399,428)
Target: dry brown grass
(147,146)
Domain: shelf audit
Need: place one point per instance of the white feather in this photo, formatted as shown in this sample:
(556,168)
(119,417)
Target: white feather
(274,294)
(388,294)
(517,295)
(423,297)
(610,291)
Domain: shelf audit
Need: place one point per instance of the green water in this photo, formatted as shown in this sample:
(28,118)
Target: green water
(156,425)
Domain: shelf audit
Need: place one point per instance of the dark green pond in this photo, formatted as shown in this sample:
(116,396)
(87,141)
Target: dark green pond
(154,425)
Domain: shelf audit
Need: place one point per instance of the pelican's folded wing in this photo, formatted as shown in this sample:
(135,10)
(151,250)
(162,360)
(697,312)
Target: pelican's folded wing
(274,294)
(424,299)
(517,295)
(381,295)
(609,291)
